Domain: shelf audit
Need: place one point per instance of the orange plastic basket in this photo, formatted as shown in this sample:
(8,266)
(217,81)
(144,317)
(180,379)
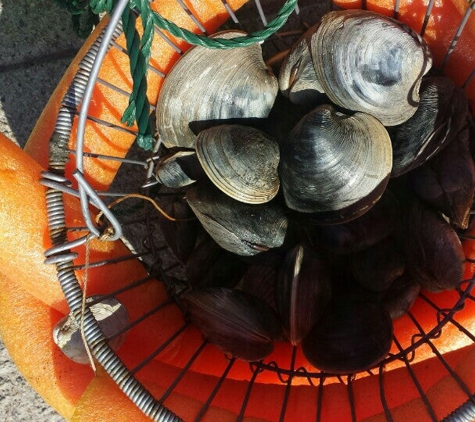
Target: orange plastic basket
(165,367)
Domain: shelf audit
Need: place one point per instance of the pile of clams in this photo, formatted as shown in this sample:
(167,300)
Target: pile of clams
(312,207)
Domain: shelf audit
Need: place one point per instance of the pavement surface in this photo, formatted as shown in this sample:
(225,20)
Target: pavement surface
(37,43)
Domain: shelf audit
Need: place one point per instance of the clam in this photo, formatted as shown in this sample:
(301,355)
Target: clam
(178,169)
(208,85)
(210,265)
(360,233)
(240,228)
(447,182)
(400,297)
(112,318)
(441,114)
(370,63)
(334,165)
(377,267)
(238,323)
(297,79)
(259,280)
(181,234)
(303,290)
(349,337)
(241,161)
(432,248)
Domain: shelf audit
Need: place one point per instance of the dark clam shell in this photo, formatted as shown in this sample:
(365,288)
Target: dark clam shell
(238,323)
(335,166)
(400,297)
(439,118)
(349,337)
(178,169)
(180,235)
(303,290)
(377,267)
(432,249)
(243,229)
(447,182)
(361,233)
(260,280)
(210,265)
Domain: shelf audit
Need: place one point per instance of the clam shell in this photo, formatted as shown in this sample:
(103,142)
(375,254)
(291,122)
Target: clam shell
(297,78)
(377,267)
(238,323)
(361,233)
(181,234)
(208,85)
(370,63)
(400,297)
(111,316)
(209,265)
(432,248)
(240,228)
(303,290)
(349,337)
(334,165)
(447,182)
(178,169)
(241,161)
(441,115)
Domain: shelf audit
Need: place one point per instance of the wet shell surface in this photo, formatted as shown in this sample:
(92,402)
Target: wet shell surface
(370,63)
(241,161)
(210,85)
(334,165)
(240,324)
(111,316)
(240,228)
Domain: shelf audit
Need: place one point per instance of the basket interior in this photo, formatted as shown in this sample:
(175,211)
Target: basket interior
(436,332)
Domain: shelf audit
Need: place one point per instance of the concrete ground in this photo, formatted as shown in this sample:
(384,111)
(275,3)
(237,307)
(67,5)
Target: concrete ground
(37,44)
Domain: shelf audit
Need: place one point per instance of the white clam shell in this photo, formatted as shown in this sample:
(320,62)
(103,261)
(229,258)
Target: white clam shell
(208,85)
(370,63)
(241,161)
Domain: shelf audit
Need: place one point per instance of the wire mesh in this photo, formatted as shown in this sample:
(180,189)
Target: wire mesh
(139,223)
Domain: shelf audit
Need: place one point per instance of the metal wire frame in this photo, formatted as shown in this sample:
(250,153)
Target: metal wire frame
(152,249)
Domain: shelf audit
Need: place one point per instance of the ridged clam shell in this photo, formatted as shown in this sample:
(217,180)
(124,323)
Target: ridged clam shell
(208,85)
(240,228)
(241,161)
(240,324)
(335,166)
(370,63)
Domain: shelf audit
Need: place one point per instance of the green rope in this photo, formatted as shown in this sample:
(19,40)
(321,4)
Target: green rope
(139,50)
(221,43)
